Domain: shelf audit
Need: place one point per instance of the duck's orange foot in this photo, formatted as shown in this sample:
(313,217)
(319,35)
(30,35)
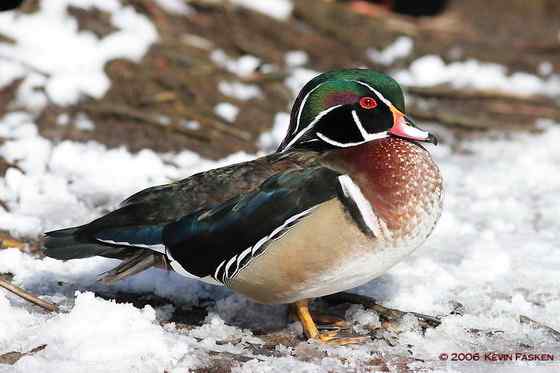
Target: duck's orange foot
(332,336)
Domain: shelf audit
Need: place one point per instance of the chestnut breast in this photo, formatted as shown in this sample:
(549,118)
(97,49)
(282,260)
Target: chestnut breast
(399,179)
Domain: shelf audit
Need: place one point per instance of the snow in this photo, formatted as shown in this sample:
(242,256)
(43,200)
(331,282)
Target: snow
(51,32)
(400,48)
(298,77)
(269,141)
(280,9)
(77,177)
(226,111)
(84,123)
(97,333)
(432,70)
(177,7)
(243,66)
(191,124)
(240,91)
(494,250)
(296,58)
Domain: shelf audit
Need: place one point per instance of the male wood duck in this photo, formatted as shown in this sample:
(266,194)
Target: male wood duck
(348,194)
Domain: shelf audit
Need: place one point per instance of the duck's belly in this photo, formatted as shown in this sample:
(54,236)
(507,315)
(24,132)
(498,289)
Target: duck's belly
(323,254)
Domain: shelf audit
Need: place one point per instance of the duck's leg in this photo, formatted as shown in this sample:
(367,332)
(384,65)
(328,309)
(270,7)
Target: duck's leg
(311,331)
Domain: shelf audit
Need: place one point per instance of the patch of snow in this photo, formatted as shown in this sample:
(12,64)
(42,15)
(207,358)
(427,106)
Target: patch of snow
(243,66)
(10,71)
(483,253)
(238,90)
(74,63)
(298,77)
(78,177)
(191,124)
(269,141)
(280,9)
(545,68)
(177,7)
(63,119)
(83,122)
(98,333)
(296,58)
(400,48)
(432,70)
(364,321)
(226,111)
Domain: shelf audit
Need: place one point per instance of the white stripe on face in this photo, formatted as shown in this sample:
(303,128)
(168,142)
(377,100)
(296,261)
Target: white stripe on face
(303,105)
(309,126)
(377,93)
(365,134)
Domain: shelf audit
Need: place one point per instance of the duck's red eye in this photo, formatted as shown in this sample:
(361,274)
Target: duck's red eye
(368,103)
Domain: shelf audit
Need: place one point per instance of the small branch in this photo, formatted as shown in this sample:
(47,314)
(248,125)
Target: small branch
(12,357)
(453,120)
(137,115)
(537,325)
(28,296)
(388,313)
(7,241)
(442,91)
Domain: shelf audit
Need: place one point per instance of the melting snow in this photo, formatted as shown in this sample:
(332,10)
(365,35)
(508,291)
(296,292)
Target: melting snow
(494,251)
(50,33)
(432,70)
(240,91)
(296,58)
(226,111)
(280,9)
(400,48)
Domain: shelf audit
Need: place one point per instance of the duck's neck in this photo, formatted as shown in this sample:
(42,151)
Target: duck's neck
(397,177)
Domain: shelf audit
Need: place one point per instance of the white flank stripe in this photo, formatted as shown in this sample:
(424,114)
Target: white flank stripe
(258,244)
(218,269)
(158,248)
(177,267)
(243,255)
(228,265)
(255,247)
(352,191)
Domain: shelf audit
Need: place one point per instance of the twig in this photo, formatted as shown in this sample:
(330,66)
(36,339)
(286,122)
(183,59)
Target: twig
(453,119)
(28,296)
(538,325)
(12,357)
(442,91)
(544,47)
(388,313)
(7,241)
(131,113)
(26,65)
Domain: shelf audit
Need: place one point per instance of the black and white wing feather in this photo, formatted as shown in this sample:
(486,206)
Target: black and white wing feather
(220,241)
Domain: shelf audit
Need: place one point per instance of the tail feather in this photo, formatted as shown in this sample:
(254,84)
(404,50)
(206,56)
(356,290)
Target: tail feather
(68,244)
(65,244)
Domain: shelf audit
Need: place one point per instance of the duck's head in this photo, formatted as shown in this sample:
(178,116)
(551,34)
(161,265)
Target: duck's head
(344,108)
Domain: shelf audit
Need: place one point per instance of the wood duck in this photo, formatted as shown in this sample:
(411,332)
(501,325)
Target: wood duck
(348,194)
